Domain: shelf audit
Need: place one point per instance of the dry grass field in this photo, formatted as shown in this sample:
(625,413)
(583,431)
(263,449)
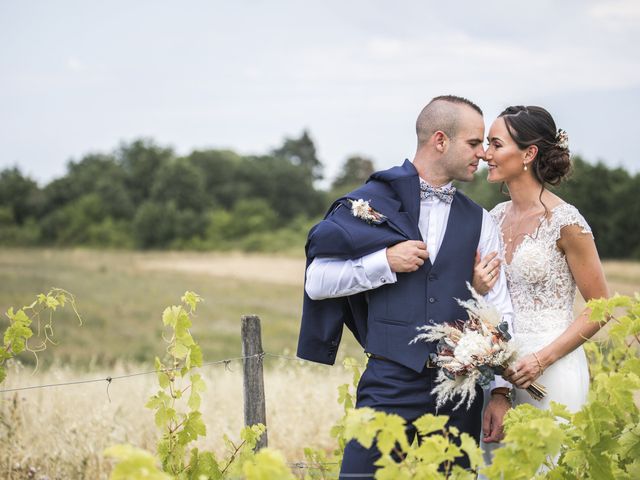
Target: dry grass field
(60,432)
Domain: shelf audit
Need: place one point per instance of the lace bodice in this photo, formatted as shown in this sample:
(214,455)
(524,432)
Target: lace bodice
(539,279)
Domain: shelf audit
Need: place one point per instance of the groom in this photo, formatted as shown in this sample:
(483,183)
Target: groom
(385,267)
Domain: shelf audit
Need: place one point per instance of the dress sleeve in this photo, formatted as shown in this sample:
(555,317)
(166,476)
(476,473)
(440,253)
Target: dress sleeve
(565,215)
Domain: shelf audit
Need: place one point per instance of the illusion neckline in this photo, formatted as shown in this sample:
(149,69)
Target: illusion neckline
(515,251)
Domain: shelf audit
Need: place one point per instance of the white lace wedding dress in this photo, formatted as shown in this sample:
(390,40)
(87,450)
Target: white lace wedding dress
(542,292)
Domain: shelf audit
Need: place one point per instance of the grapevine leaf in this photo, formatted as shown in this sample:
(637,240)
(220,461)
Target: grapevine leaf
(470,447)
(195,355)
(192,299)
(429,423)
(134,463)
(267,464)
(170,315)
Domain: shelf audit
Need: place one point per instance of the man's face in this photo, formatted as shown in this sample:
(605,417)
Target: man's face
(465,151)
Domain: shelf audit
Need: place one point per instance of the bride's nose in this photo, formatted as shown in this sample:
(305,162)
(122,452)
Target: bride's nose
(487,155)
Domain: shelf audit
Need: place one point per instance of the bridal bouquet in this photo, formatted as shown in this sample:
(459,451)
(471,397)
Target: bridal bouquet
(471,351)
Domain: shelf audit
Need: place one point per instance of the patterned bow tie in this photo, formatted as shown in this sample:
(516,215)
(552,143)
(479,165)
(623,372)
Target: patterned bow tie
(443,193)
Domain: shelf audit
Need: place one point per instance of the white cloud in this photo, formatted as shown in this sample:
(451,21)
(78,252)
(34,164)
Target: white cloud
(75,65)
(616,14)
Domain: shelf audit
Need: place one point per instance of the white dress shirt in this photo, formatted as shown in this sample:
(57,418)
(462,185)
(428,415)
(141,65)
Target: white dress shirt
(335,277)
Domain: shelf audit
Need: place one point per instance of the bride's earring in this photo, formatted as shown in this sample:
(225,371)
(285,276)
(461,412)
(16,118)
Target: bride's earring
(525,167)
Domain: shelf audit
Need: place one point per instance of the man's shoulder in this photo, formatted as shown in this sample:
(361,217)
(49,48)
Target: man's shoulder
(407,169)
(373,187)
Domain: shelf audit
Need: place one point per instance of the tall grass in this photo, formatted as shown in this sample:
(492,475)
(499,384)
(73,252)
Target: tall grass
(60,432)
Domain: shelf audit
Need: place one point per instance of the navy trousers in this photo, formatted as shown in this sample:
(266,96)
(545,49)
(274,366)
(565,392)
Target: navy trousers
(393,388)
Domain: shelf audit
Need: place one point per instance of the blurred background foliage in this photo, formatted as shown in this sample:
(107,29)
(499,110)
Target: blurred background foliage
(144,196)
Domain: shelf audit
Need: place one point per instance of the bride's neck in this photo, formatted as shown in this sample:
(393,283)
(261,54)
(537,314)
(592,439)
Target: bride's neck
(525,193)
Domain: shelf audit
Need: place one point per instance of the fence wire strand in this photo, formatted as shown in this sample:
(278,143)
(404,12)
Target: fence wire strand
(111,378)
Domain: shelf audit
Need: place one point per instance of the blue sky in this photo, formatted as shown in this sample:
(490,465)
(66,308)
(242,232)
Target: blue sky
(82,76)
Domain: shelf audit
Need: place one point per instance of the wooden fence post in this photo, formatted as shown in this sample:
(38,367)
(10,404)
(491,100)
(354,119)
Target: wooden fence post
(254,403)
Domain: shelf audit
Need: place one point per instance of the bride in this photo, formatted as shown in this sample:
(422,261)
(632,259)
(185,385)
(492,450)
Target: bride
(547,250)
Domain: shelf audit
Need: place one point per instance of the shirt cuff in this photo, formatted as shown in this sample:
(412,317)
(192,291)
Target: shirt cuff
(498,382)
(376,268)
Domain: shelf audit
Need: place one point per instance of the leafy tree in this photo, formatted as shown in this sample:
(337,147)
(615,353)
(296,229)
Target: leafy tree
(602,195)
(19,194)
(249,216)
(285,187)
(142,160)
(70,224)
(154,225)
(220,170)
(355,171)
(301,152)
(182,183)
(94,173)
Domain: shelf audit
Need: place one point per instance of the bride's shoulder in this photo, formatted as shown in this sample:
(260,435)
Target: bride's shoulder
(564,209)
(565,214)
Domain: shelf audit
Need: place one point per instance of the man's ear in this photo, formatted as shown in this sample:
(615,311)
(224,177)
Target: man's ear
(440,141)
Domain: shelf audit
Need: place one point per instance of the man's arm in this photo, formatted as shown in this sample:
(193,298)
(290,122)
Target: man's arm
(334,277)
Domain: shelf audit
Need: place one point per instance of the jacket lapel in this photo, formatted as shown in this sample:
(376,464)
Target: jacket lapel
(407,188)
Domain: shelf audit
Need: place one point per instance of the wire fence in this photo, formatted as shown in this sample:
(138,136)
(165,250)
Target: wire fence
(111,378)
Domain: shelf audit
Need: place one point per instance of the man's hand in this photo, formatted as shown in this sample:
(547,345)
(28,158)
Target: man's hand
(407,256)
(492,418)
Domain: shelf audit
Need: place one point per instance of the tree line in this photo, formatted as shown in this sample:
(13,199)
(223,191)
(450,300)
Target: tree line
(143,195)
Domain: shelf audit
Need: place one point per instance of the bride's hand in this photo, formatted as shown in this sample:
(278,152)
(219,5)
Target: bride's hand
(485,272)
(526,371)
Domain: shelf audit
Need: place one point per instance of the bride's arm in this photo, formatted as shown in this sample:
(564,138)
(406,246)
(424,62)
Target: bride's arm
(584,263)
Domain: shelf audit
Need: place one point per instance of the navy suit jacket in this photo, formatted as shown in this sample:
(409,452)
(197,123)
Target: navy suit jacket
(384,320)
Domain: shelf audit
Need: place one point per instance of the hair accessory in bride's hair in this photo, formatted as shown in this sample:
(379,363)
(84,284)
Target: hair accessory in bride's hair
(562,139)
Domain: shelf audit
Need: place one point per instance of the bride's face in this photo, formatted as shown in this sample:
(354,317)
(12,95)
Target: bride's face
(504,159)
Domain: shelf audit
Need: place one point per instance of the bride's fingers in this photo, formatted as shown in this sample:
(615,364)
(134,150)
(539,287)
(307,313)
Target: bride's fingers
(488,259)
(492,278)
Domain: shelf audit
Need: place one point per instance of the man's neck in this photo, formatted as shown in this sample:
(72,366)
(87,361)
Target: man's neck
(428,171)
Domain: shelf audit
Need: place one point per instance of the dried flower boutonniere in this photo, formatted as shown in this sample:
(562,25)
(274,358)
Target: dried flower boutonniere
(361,209)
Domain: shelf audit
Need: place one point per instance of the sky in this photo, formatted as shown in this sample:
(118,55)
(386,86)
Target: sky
(83,76)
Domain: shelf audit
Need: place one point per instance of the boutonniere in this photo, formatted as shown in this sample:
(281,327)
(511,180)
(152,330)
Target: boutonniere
(361,209)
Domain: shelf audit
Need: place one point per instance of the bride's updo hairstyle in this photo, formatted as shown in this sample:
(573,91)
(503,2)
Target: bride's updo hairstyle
(535,126)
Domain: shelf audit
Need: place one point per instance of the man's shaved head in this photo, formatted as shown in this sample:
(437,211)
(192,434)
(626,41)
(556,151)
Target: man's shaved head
(442,113)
